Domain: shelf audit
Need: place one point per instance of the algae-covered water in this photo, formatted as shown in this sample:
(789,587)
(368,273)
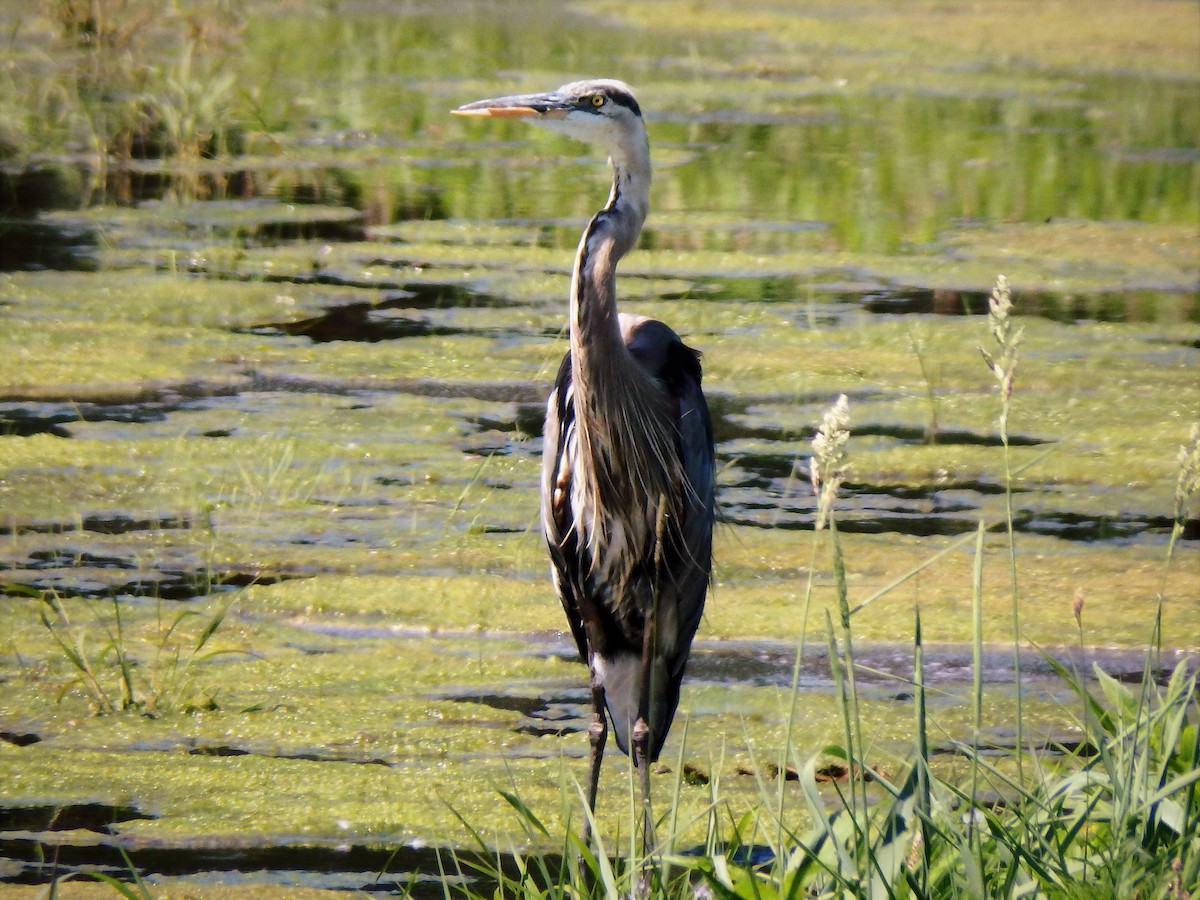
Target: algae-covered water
(275,333)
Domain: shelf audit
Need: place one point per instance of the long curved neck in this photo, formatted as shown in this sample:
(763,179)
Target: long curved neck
(621,411)
(596,344)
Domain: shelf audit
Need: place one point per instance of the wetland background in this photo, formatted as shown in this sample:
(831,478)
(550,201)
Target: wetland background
(276,331)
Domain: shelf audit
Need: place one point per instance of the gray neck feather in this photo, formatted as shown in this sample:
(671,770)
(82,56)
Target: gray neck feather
(609,236)
(620,408)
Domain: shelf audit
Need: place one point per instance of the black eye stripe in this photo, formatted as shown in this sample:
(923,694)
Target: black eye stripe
(626,100)
(621,98)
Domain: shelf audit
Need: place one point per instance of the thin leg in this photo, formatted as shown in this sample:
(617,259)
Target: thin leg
(597,736)
(641,737)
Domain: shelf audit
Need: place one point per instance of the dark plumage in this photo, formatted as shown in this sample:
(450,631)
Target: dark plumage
(669,564)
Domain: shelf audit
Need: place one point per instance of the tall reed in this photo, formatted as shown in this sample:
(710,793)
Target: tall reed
(1002,361)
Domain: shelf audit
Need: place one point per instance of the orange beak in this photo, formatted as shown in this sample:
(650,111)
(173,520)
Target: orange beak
(518,106)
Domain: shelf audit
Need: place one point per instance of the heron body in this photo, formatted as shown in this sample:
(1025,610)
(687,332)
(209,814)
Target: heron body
(629,527)
(627,479)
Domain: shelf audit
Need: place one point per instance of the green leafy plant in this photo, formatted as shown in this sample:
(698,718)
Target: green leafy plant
(189,105)
(121,97)
(113,677)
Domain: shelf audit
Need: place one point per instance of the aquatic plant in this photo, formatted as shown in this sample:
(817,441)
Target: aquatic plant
(136,888)
(1116,817)
(190,106)
(155,685)
(929,378)
(132,80)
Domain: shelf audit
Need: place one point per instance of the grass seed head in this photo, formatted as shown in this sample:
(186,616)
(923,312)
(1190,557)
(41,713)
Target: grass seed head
(829,460)
(1188,482)
(1002,360)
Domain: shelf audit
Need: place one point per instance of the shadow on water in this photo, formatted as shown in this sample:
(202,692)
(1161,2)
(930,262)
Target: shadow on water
(30,245)
(63,573)
(367,322)
(38,853)
(773,493)
(99,523)
(97,817)
(1108,306)
(727,427)
(884,673)
(829,303)
(70,570)
(383,319)
(24,419)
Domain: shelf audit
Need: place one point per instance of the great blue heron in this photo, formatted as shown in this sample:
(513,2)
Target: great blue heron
(627,475)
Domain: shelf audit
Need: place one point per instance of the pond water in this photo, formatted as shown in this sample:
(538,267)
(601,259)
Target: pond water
(277,332)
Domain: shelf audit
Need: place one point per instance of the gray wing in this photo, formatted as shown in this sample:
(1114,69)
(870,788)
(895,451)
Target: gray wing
(687,550)
(693,567)
(565,561)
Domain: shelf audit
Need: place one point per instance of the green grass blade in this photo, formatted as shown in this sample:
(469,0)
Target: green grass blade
(527,815)
(213,625)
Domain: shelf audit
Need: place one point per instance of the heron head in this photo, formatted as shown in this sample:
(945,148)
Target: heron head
(600,111)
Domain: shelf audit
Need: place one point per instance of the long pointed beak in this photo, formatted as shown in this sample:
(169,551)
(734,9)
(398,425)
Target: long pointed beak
(518,106)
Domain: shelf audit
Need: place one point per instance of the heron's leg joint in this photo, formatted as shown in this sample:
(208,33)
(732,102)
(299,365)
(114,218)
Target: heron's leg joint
(598,730)
(640,738)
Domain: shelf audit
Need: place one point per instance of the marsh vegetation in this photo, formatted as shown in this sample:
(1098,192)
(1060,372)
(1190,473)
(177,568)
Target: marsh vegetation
(276,331)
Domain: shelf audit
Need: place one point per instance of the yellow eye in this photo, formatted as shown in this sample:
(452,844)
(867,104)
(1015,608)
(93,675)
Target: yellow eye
(597,100)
